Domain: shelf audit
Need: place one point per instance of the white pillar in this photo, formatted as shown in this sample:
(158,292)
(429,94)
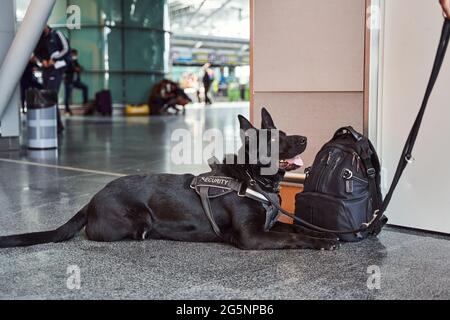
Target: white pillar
(21,48)
(9,122)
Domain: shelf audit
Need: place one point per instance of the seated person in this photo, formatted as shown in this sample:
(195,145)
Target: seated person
(167,95)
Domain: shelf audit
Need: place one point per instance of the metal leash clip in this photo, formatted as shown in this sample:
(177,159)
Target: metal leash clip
(365,225)
(409,158)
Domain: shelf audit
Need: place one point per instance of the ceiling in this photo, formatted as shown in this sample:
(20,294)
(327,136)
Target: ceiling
(220,18)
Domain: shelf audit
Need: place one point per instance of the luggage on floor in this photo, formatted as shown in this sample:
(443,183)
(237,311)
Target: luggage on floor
(103,102)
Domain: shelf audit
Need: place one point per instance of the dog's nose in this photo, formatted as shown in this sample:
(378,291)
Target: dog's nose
(303,140)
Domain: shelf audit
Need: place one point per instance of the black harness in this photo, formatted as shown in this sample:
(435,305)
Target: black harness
(209,186)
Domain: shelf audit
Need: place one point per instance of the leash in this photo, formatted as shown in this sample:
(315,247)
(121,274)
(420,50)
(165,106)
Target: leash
(406,155)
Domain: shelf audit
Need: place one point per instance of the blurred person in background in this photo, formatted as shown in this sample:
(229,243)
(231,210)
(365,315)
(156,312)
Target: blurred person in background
(28,80)
(207,80)
(223,82)
(165,96)
(72,79)
(53,53)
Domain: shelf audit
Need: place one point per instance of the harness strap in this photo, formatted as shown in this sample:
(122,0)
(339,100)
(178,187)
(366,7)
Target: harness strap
(209,186)
(203,192)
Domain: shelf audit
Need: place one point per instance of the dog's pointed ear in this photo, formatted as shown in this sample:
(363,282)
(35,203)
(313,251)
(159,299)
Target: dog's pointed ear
(266,120)
(244,123)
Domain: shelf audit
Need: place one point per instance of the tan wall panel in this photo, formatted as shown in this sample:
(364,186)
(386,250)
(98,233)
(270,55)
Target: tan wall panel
(315,115)
(308,45)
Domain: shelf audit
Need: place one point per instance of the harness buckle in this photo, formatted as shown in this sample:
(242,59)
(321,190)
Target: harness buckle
(193,183)
(242,191)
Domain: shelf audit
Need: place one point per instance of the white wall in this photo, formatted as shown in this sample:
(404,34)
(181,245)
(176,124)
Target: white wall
(411,33)
(308,66)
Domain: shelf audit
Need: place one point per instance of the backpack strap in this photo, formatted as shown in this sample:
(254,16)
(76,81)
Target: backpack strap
(371,171)
(348,131)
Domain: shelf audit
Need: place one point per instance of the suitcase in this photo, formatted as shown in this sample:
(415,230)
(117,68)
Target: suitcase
(103,102)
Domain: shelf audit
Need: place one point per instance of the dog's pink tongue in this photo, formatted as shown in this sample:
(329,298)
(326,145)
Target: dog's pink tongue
(297,160)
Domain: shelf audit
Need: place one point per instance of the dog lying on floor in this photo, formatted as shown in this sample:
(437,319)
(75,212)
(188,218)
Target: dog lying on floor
(165,206)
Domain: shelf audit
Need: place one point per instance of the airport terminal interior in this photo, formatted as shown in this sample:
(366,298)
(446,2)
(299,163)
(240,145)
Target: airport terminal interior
(147,68)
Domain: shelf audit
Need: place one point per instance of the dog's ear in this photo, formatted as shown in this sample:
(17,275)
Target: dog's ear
(247,129)
(244,123)
(266,120)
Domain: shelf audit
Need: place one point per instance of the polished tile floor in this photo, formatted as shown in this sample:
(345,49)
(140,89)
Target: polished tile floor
(39,191)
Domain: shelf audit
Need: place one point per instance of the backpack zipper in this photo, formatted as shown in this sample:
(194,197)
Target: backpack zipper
(336,162)
(319,179)
(331,167)
(357,159)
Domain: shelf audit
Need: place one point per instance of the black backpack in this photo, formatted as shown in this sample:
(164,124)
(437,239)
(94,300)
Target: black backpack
(342,188)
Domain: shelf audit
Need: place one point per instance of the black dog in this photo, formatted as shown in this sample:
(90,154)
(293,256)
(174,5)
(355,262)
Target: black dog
(164,206)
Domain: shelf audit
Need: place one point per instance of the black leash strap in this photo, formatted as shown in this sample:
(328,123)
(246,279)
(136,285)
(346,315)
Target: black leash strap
(406,155)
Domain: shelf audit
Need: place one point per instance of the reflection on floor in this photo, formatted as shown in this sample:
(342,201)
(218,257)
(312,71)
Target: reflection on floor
(34,197)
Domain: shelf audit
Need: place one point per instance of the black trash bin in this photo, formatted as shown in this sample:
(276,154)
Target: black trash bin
(42,119)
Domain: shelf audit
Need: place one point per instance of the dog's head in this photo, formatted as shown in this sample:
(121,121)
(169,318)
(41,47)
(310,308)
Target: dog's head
(281,151)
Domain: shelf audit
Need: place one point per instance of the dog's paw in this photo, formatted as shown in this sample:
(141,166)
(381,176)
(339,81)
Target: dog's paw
(328,244)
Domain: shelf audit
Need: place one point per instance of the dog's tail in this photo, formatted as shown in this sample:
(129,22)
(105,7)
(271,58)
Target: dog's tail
(65,232)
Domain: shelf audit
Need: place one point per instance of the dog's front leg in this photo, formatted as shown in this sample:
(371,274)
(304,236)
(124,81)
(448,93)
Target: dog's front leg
(284,227)
(262,240)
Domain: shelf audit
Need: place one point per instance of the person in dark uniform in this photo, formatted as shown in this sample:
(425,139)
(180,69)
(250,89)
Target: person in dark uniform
(207,81)
(53,52)
(28,80)
(72,80)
